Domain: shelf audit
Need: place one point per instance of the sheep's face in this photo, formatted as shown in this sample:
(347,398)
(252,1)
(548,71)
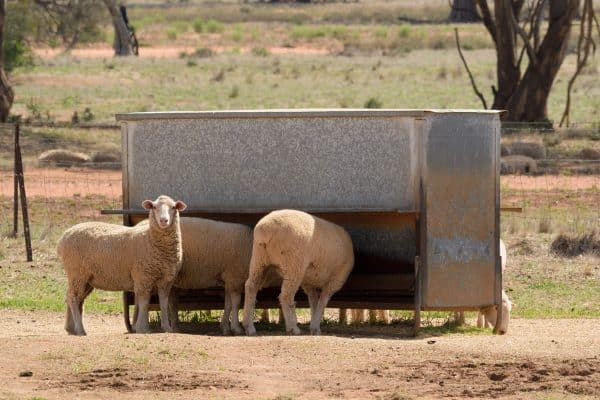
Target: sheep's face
(506,308)
(163,210)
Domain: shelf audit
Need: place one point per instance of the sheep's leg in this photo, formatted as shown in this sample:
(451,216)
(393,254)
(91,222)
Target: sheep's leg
(315,322)
(136,313)
(313,297)
(225,327)
(163,299)
(373,316)
(343,317)
(358,315)
(142,300)
(384,316)
(490,317)
(264,315)
(480,319)
(286,299)
(250,290)
(76,294)
(459,318)
(236,299)
(173,313)
(69,323)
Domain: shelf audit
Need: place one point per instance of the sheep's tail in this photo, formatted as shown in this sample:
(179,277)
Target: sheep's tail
(262,235)
(60,247)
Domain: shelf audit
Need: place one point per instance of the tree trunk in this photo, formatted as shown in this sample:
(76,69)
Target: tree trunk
(464,11)
(7,94)
(507,69)
(529,101)
(122,43)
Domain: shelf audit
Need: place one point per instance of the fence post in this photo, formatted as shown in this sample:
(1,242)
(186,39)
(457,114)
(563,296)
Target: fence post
(21,181)
(16,181)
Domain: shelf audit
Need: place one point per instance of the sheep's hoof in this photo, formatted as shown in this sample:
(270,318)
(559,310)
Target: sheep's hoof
(250,331)
(225,330)
(294,331)
(237,330)
(315,331)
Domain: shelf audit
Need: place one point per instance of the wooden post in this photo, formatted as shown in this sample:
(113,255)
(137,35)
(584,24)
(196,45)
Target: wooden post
(21,180)
(417,298)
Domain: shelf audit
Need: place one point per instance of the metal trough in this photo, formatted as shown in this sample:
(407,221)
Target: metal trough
(418,190)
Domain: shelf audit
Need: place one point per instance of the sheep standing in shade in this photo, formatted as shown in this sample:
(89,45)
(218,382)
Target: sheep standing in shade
(143,259)
(487,316)
(215,254)
(360,315)
(306,252)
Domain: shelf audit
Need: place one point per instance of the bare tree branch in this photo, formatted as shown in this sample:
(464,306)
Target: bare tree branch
(537,23)
(487,19)
(522,34)
(585,43)
(475,89)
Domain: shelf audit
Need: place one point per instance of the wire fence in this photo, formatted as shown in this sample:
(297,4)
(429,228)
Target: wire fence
(72,172)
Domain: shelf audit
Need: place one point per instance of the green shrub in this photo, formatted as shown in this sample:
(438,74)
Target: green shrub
(373,102)
(171,34)
(260,51)
(404,31)
(17,54)
(213,26)
(199,25)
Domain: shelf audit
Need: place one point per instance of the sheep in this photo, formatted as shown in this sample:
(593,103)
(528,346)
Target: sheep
(306,252)
(112,257)
(359,315)
(487,315)
(214,254)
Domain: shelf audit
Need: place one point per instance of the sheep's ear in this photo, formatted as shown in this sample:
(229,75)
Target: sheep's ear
(180,205)
(148,204)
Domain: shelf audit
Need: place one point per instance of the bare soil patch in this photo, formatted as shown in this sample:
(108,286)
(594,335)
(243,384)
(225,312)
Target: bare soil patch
(537,358)
(66,182)
(172,51)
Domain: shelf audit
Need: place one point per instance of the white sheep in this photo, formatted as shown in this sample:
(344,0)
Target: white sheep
(487,315)
(306,252)
(360,315)
(142,259)
(215,254)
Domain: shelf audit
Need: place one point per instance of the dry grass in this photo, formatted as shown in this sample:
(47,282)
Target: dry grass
(576,245)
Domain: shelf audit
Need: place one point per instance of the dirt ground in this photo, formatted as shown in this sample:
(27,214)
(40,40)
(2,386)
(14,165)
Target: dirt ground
(170,51)
(537,359)
(67,182)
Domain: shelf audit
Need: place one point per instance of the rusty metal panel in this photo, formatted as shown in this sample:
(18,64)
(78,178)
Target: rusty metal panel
(461,194)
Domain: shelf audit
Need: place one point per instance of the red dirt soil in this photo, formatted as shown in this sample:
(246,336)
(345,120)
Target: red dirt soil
(69,182)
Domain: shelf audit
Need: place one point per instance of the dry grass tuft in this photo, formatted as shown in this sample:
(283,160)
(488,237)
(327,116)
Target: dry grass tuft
(522,247)
(573,246)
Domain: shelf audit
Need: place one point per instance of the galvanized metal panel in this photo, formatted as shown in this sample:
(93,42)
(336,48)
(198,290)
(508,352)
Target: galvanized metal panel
(268,163)
(460,192)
